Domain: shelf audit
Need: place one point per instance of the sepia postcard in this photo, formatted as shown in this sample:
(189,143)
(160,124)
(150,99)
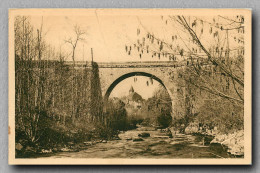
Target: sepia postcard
(130,87)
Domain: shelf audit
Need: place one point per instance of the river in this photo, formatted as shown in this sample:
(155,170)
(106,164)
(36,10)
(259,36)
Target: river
(157,145)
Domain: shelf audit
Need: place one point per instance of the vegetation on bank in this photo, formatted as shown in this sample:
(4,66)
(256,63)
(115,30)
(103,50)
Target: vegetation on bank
(56,106)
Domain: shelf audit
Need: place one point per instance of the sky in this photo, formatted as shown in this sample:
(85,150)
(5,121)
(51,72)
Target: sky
(109,30)
(106,34)
(140,86)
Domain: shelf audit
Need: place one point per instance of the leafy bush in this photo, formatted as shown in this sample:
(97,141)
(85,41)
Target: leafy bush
(132,121)
(164,119)
(160,113)
(223,114)
(115,115)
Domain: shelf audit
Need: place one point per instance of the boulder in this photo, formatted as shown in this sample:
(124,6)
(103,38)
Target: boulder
(29,149)
(88,143)
(138,139)
(46,151)
(144,135)
(18,146)
(116,138)
(55,150)
(65,149)
(71,143)
(169,134)
(192,128)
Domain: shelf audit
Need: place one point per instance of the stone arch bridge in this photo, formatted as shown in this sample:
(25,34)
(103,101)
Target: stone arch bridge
(165,72)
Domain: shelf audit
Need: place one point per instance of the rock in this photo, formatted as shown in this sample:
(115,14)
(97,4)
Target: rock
(54,150)
(173,131)
(46,151)
(65,149)
(73,131)
(240,133)
(117,138)
(146,129)
(30,149)
(71,143)
(88,143)
(144,135)
(165,130)
(170,135)
(104,141)
(138,125)
(138,139)
(157,136)
(192,128)
(18,146)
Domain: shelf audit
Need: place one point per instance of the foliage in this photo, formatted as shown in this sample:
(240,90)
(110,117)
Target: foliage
(116,116)
(222,114)
(159,108)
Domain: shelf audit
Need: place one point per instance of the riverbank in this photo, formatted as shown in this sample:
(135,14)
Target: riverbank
(233,143)
(37,151)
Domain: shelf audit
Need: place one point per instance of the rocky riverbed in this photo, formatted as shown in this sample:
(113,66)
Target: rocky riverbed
(146,142)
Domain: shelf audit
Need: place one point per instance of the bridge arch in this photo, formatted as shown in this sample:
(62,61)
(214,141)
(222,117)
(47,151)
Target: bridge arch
(131,74)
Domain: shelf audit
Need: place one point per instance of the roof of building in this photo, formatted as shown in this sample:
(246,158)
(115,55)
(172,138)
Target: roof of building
(131,89)
(135,97)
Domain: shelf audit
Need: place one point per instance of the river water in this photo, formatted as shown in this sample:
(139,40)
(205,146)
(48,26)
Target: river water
(158,145)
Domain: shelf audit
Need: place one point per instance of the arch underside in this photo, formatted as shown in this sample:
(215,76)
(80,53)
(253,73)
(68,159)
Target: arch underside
(125,76)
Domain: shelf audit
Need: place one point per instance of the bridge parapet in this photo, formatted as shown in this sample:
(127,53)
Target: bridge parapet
(136,64)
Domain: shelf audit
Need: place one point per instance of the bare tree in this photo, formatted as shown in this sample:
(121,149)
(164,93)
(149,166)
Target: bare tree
(211,51)
(29,84)
(79,36)
(224,66)
(188,40)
